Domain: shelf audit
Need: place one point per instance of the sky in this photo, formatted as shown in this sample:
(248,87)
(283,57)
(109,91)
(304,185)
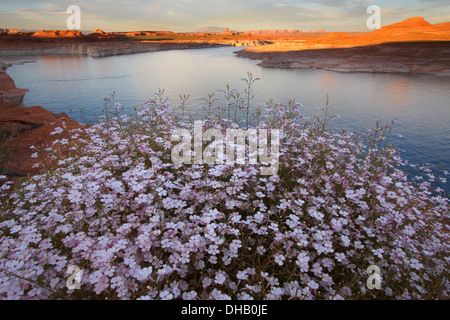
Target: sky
(191,15)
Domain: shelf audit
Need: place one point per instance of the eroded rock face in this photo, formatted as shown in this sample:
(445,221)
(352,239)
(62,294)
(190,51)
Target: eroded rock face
(24,127)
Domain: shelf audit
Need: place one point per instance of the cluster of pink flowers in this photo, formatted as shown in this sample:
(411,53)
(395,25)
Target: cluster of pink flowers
(141,227)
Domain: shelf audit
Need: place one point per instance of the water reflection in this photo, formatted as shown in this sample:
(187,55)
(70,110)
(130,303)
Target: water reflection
(400,89)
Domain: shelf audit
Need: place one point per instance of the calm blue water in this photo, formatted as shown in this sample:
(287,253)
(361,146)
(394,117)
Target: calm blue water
(419,104)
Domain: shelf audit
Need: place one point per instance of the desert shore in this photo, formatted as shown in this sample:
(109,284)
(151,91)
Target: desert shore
(410,46)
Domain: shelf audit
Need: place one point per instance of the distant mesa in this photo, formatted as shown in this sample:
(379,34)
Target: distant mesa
(145,33)
(205,31)
(98,32)
(272,32)
(281,32)
(228,32)
(138,33)
(10,31)
(210,30)
(15,32)
(58,34)
(415,24)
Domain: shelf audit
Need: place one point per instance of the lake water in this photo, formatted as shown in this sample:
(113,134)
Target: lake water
(419,104)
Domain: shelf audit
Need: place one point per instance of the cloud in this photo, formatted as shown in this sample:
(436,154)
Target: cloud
(40,12)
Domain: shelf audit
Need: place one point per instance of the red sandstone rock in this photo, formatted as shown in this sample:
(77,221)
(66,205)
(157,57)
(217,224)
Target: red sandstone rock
(26,127)
(58,34)
(98,31)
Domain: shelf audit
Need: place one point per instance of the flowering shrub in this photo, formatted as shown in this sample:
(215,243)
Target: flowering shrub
(141,227)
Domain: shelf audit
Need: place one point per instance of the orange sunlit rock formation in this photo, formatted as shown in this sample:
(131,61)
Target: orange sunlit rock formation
(58,34)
